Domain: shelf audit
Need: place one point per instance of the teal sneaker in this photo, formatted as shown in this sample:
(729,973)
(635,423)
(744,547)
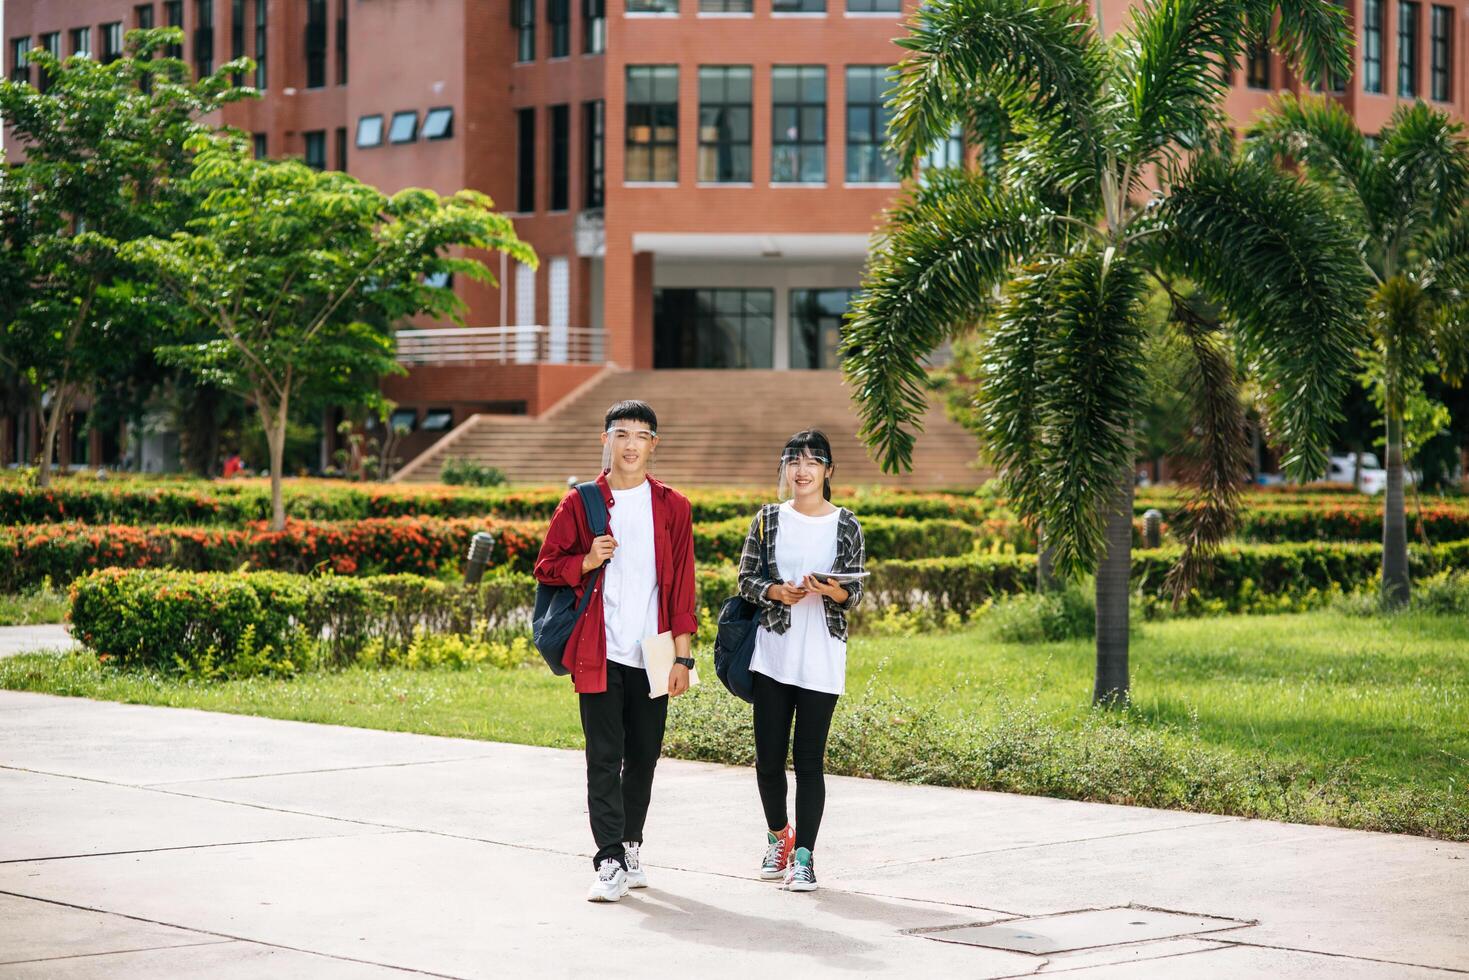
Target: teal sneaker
(801,876)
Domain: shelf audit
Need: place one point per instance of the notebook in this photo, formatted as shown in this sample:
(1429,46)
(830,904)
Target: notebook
(658,654)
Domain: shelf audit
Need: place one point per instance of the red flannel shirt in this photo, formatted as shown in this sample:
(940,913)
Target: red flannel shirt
(568,540)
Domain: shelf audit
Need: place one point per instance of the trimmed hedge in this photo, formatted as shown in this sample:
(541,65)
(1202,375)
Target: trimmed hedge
(424,546)
(275,622)
(429,546)
(238,502)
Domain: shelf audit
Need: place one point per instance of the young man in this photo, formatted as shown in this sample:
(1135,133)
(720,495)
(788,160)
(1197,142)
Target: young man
(646,587)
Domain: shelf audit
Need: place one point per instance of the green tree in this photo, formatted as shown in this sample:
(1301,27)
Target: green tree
(105,154)
(1113,174)
(298,276)
(1403,194)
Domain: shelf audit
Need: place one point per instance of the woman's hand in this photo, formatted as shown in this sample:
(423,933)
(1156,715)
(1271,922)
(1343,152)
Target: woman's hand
(788,594)
(832,590)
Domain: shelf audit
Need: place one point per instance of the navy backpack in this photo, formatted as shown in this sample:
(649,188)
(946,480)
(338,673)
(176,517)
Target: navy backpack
(557,610)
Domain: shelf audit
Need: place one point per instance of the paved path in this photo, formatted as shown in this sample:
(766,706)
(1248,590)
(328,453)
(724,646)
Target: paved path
(29,639)
(154,842)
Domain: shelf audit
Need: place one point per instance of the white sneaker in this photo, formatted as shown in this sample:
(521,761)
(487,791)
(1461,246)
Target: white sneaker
(636,876)
(611,883)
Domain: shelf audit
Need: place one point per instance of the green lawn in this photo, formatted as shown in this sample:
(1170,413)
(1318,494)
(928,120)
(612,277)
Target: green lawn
(1349,711)
(32,608)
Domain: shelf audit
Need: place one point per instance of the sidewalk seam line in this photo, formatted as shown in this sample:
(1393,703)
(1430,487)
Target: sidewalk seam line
(227,936)
(114,952)
(194,847)
(1344,956)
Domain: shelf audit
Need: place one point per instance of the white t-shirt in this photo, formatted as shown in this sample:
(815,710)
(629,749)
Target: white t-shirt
(806,655)
(630,578)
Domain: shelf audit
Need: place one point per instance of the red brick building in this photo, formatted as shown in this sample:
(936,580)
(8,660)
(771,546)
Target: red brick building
(698,177)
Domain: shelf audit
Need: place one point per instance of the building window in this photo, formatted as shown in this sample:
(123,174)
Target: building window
(560,157)
(523,19)
(713,328)
(724,6)
(1257,66)
(237,35)
(369,131)
(315,43)
(947,152)
(111,42)
(558,15)
(203,37)
(525,171)
(143,16)
(798,6)
(1372,45)
(652,6)
(52,43)
(525,295)
(316,149)
(1407,49)
(404,127)
(81,41)
(438,124)
(874,6)
(816,327)
(798,124)
(594,26)
(341,139)
(868,161)
(724,124)
(558,316)
(403,420)
(20,65)
(259,145)
(1442,53)
(651,153)
(342,42)
(438,420)
(593,147)
(260,7)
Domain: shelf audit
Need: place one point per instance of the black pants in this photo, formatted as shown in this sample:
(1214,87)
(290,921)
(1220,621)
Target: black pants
(624,731)
(775,705)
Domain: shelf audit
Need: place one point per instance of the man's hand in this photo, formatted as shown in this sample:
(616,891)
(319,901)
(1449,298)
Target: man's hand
(788,594)
(602,549)
(678,680)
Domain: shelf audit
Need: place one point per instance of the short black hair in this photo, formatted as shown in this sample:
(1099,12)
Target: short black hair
(631,408)
(811,442)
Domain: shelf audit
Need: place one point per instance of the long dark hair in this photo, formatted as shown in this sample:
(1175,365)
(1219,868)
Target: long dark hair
(811,442)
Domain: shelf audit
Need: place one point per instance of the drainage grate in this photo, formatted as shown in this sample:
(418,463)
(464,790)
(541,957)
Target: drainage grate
(1085,929)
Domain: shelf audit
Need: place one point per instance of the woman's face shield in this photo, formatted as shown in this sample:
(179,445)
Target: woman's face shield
(800,465)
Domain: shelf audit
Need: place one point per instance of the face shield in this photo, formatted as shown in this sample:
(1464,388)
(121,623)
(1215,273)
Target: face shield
(791,462)
(621,434)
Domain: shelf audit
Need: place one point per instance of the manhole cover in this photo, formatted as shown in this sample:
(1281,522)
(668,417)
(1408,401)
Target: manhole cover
(1088,929)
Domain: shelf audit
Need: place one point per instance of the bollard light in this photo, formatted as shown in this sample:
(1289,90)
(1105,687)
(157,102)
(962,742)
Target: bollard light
(480,547)
(570,482)
(1152,528)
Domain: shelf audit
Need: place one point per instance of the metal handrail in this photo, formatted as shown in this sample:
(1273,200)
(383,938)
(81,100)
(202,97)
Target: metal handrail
(524,344)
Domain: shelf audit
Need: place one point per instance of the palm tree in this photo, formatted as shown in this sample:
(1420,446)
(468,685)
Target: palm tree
(1109,171)
(1403,193)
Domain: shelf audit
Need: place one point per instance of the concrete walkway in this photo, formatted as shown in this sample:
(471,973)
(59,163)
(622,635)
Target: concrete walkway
(154,842)
(33,639)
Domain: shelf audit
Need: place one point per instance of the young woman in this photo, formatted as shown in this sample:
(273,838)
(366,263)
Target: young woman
(800,662)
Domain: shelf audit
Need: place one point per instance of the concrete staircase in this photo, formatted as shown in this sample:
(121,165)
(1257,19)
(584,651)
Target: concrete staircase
(715,428)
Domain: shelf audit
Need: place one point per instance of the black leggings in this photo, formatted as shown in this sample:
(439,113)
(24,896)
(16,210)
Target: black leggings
(775,705)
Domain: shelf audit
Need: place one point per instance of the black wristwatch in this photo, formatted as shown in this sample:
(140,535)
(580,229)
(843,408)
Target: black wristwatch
(686,661)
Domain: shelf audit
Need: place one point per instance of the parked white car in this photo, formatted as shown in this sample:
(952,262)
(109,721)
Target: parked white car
(1343,469)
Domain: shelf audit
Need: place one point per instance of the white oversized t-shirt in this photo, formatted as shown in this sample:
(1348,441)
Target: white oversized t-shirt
(806,655)
(630,578)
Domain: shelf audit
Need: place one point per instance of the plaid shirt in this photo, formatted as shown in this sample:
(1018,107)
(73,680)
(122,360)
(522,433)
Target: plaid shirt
(776,616)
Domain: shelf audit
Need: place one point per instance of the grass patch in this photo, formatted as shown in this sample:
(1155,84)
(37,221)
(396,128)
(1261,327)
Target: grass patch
(1322,717)
(43,605)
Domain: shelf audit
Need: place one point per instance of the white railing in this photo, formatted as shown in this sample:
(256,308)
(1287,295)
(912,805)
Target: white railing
(501,345)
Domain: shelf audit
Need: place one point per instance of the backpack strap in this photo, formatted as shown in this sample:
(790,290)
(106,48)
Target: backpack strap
(596,509)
